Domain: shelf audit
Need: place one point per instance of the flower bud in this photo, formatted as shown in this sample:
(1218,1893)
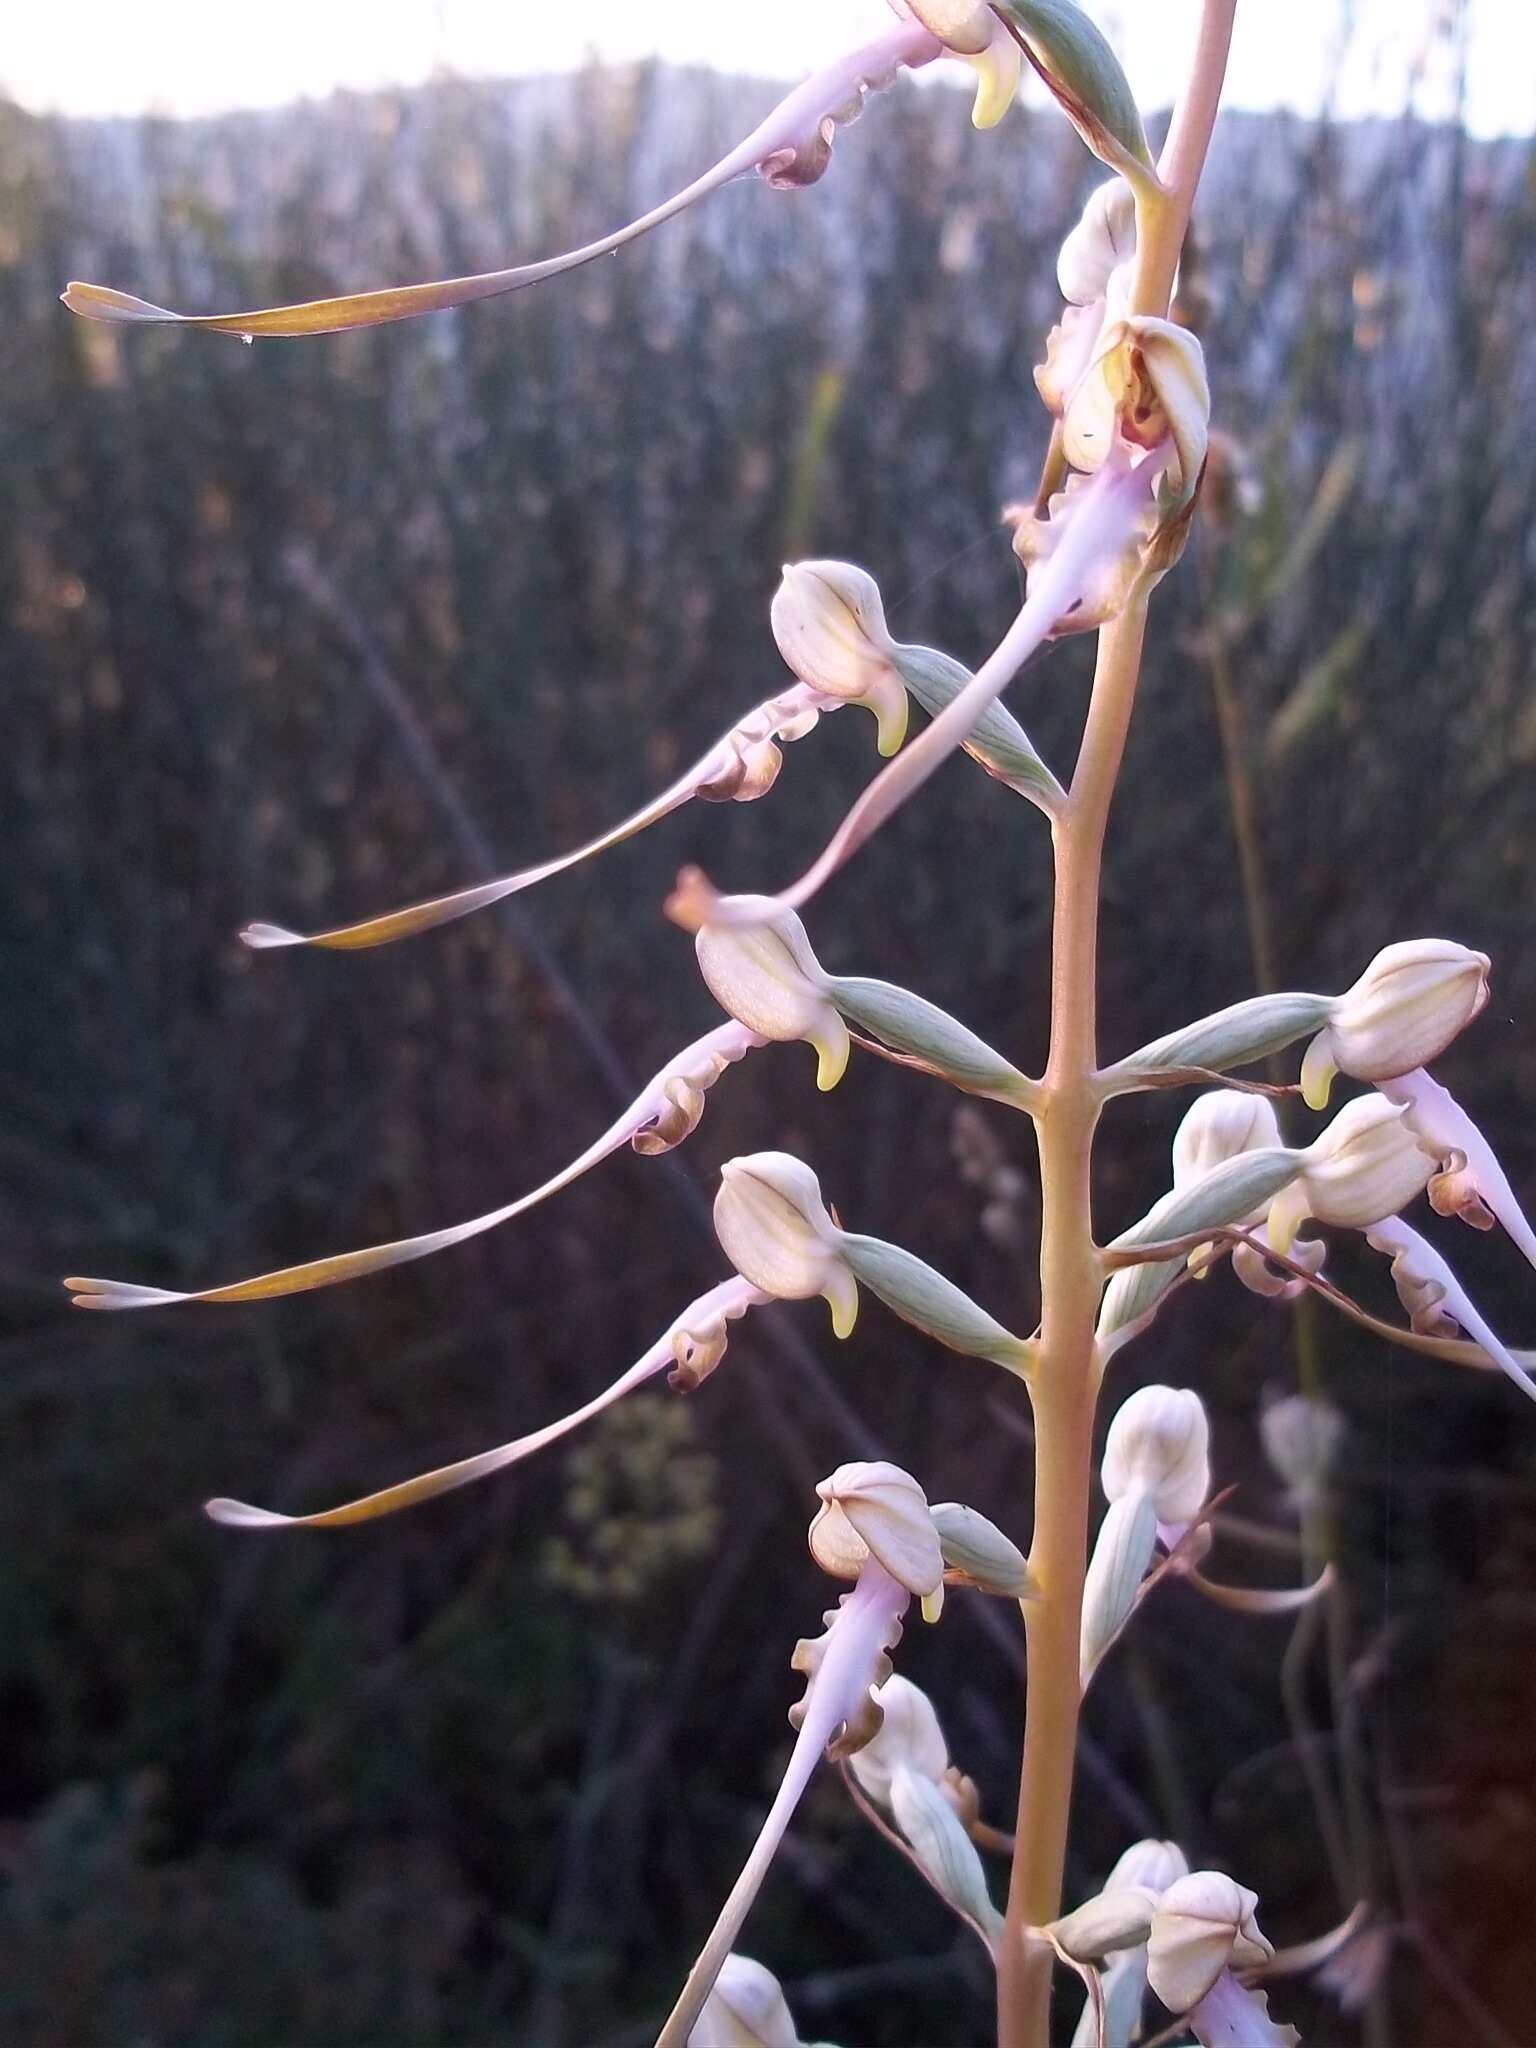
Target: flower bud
(977,1553)
(1204,1925)
(776,1231)
(746,2009)
(1366,1165)
(1301,1437)
(768,978)
(1152,1863)
(910,1738)
(1113,1920)
(1122,1551)
(1159,1445)
(1404,1010)
(1102,241)
(944,1851)
(874,1509)
(1218,1126)
(830,627)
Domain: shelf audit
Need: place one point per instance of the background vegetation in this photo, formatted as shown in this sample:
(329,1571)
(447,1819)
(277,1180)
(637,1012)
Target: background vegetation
(303,630)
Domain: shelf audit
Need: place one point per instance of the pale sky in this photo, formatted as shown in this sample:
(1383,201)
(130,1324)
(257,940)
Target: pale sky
(192,57)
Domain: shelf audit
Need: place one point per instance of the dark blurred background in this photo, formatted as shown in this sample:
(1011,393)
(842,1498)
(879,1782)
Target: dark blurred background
(289,632)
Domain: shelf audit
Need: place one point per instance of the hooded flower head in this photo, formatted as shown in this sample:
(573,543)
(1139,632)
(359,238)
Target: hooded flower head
(829,624)
(778,1233)
(1366,1165)
(1405,1009)
(765,975)
(875,1509)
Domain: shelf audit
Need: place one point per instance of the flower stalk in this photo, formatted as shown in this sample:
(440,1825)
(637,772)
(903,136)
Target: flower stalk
(1071,1278)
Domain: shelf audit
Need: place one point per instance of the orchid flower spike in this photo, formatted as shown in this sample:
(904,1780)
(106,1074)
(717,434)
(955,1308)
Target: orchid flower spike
(1470,1182)
(791,147)
(746,2009)
(1203,1930)
(1156,1476)
(1405,1009)
(692,1345)
(1220,1125)
(665,1112)
(873,1526)
(1366,1165)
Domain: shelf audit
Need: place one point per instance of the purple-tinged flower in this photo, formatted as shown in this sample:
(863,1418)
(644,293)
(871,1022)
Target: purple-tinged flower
(696,1339)
(665,1111)
(791,147)
(840,1711)
(1436,1301)
(1203,1930)
(1471,1183)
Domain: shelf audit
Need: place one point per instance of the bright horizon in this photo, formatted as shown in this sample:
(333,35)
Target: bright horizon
(179,57)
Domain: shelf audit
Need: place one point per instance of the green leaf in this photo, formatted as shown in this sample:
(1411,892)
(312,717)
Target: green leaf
(997,740)
(907,1023)
(1229,1038)
(1073,57)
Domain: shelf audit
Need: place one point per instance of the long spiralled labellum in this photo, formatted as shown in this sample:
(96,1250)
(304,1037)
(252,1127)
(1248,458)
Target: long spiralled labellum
(837,1694)
(727,1043)
(730,1299)
(832,95)
(782,717)
(1439,1122)
(1102,524)
(1400,1240)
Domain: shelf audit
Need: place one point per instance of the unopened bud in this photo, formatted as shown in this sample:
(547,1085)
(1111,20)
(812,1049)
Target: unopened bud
(875,1509)
(1122,1551)
(1366,1165)
(746,2009)
(830,627)
(1101,242)
(910,1738)
(1405,1009)
(1152,1863)
(776,1231)
(1301,1437)
(1204,1925)
(768,978)
(1218,1126)
(1159,1445)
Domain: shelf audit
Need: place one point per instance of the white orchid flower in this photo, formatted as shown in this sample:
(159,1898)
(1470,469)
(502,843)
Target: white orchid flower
(1404,1010)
